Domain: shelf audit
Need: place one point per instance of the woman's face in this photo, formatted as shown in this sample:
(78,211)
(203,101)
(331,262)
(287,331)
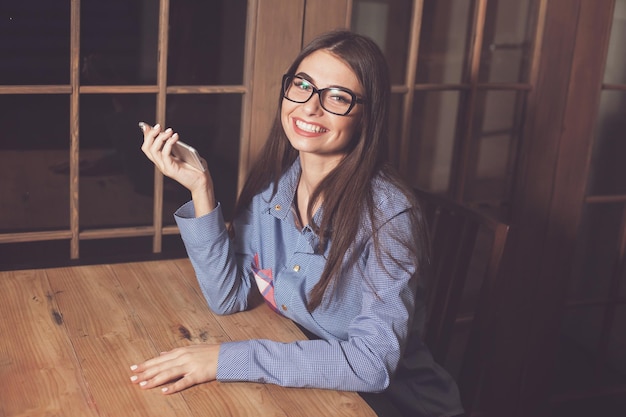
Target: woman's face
(313,131)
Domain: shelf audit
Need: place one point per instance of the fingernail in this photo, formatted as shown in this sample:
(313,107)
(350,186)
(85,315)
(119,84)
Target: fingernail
(168,130)
(164,389)
(133,378)
(157,126)
(133,367)
(143,383)
(142,126)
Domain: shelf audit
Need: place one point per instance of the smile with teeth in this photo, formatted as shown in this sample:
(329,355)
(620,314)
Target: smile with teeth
(309,127)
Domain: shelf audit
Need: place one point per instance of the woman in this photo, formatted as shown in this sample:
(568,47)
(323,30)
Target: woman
(330,236)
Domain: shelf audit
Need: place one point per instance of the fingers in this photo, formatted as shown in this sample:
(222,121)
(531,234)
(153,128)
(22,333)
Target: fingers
(183,367)
(157,371)
(157,377)
(166,151)
(156,148)
(149,135)
(180,385)
(154,139)
(167,367)
(157,145)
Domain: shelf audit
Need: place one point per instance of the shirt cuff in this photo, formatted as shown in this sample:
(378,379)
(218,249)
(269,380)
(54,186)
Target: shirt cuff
(233,362)
(198,230)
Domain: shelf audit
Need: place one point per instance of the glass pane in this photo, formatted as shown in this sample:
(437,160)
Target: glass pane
(578,344)
(172,247)
(615,72)
(207,46)
(596,251)
(608,171)
(616,360)
(119,42)
(129,249)
(34,194)
(388,23)
(508,41)
(444,41)
(35,42)
(116,179)
(211,124)
(50,253)
(432,138)
(498,126)
(623,279)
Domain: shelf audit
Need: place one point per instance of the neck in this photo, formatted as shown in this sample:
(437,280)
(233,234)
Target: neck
(315,169)
(313,172)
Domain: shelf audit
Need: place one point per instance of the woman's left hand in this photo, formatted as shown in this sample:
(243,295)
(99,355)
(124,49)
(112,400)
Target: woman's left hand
(187,366)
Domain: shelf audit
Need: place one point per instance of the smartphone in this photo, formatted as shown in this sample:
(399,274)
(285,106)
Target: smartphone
(186,153)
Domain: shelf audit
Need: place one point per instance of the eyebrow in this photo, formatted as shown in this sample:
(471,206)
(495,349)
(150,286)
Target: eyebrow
(305,76)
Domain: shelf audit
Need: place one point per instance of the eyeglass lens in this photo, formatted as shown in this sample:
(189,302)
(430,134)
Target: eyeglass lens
(334,100)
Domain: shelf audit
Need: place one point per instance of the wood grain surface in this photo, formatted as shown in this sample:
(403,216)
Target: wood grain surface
(70,334)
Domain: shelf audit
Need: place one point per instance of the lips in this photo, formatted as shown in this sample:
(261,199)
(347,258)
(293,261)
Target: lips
(309,127)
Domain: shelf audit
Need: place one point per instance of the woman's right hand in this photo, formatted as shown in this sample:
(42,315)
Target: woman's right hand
(157,145)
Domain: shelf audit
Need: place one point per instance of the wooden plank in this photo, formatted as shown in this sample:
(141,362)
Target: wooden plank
(326,403)
(38,370)
(277,42)
(105,330)
(324,15)
(155,290)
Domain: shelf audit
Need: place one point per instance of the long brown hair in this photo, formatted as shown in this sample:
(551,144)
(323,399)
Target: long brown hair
(348,188)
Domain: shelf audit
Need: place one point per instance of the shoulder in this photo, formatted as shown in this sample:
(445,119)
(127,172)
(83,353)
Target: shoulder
(389,197)
(283,189)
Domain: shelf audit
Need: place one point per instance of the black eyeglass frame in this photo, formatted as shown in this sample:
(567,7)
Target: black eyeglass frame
(319,91)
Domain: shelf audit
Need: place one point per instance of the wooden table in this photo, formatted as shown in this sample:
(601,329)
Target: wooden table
(68,336)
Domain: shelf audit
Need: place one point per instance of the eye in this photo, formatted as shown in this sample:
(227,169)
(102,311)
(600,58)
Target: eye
(340,97)
(302,84)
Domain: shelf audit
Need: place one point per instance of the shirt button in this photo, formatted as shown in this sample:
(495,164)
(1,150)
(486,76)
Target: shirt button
(284,307)
(296,268)
(277,207)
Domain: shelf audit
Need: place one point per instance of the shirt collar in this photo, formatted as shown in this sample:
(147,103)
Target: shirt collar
(280,206)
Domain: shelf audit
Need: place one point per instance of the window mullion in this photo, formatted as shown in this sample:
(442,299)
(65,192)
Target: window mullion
(463,145)
(74,156)
(409,83)
(160,117)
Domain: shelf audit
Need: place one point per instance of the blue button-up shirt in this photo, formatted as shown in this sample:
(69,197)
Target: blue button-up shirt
(364,323)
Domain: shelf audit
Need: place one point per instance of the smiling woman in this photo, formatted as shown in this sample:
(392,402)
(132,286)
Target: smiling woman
(330,236)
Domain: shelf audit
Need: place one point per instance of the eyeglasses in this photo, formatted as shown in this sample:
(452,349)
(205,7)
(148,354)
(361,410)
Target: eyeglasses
(335,100)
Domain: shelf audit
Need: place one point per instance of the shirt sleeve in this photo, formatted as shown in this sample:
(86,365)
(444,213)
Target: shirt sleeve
(367,359)
(218,270)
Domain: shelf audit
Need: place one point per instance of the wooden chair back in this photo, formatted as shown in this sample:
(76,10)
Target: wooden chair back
(466,249)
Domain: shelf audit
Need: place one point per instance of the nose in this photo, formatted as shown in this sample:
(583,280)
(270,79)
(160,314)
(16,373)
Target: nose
(314,105)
